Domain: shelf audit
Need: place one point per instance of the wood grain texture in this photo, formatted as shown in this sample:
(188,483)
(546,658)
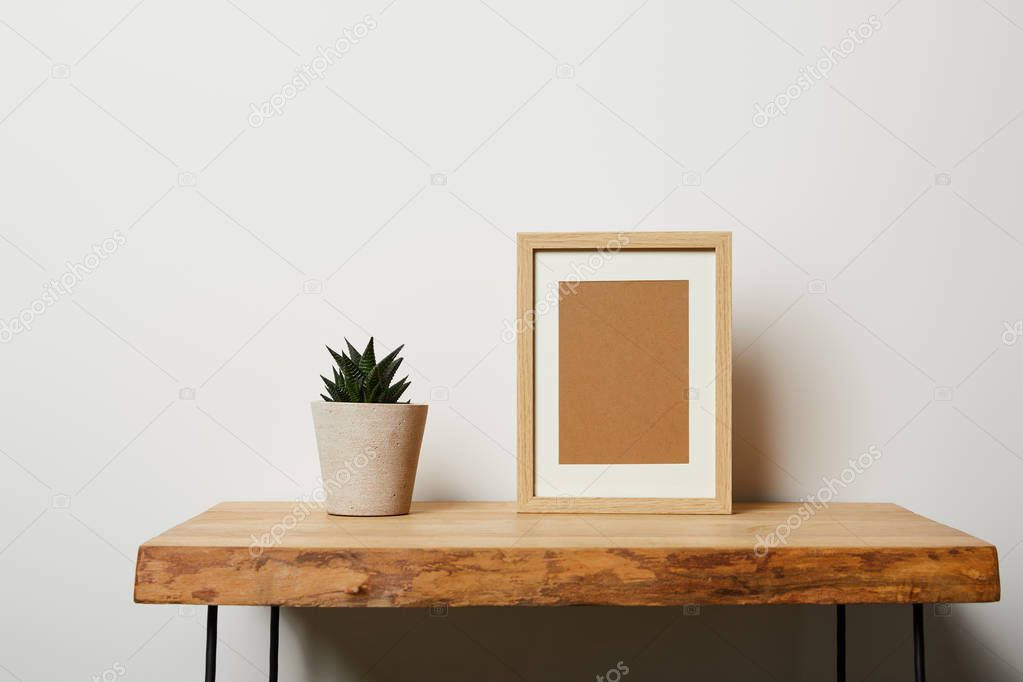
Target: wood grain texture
(485,554)
(723,388)
(531,242)
(526,387)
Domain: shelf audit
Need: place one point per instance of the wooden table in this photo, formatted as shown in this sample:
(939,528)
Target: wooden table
(485,554)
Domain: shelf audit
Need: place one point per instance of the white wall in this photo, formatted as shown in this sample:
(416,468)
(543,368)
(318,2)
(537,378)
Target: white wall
(245,249)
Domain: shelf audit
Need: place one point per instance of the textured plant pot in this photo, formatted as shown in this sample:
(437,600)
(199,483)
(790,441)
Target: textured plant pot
(369,453)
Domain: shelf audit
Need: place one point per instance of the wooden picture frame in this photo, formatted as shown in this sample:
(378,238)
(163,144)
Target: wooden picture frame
(532,244)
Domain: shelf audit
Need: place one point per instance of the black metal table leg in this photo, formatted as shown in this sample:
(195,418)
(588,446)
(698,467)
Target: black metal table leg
(840,643)
(211,643)
(918,643)
(275,639)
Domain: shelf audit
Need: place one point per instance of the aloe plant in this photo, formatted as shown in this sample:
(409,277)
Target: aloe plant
(359,378)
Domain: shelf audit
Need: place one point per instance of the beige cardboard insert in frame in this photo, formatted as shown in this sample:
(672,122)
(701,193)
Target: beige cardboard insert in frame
(551,268)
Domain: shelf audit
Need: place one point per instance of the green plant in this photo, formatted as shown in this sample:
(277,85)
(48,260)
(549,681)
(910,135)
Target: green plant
(359,378)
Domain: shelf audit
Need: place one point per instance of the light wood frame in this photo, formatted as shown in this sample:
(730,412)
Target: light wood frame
(529,243)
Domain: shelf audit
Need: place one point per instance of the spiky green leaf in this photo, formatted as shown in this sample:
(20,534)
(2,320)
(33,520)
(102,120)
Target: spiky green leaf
(349,370)
(388,366)
(394,392)
(334,354)
(352,353)
(353,387)
(372,378)
(387,359)
(336,394)
(368,360)
(386,377)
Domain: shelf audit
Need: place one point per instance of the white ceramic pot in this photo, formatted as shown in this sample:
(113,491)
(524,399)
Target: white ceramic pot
(369,453)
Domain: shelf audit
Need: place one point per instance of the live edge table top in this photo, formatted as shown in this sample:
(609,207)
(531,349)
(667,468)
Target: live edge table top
(486,554)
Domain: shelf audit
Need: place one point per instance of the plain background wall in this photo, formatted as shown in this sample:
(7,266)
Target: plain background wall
(877,285)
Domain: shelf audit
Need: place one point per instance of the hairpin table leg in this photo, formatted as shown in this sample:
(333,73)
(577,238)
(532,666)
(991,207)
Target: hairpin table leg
(275,639)
(840,642)
(918,643)
(211,643)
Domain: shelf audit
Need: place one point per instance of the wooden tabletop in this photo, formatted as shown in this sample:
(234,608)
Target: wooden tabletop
(486,554)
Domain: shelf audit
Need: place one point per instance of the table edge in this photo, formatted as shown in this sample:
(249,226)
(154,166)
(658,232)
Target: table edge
(394,577)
